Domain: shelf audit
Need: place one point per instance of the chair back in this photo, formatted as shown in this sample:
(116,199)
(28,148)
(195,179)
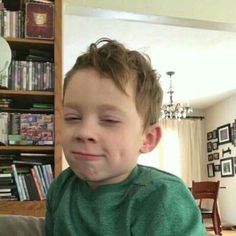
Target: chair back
(206,190)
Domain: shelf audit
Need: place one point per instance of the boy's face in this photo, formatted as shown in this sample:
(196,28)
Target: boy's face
(102,131)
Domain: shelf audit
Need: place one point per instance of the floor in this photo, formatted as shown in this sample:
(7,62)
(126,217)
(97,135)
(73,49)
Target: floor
(226,233)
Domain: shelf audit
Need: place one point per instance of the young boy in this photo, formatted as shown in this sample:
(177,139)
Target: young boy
(112,101)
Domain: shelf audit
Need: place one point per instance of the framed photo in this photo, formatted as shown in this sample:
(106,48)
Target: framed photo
(227,167)
(216,156)
(214,145)
(210,157)
(39,20)
(214,134)
(209,147)
(234,133)
(209,135)
(224,134)
(210,170)
(217,168)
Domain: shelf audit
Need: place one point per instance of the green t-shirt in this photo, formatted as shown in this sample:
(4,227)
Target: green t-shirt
(149,202)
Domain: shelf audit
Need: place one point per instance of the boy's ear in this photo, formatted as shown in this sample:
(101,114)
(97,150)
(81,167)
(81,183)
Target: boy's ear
(152,137)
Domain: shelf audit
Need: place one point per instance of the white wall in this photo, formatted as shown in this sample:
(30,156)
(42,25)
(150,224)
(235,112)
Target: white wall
(209,10)
(218,115)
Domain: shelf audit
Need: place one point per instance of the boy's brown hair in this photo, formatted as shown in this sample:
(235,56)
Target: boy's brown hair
(112,60)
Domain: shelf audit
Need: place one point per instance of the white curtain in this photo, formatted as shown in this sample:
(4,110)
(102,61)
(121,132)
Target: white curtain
(180,149)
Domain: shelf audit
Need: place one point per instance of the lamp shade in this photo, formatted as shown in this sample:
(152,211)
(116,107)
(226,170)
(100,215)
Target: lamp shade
(5,58)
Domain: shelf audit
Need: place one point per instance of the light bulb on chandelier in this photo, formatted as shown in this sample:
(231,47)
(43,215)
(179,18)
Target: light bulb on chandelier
(172,111)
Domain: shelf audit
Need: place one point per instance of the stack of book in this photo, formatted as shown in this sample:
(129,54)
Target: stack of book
(26,129)
(5,102)
(30,75)
(47,107)
(26,177)
(4,128)
(7,185)
(33,183)
(11,23)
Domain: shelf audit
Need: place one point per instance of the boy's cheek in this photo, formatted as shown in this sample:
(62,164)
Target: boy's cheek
(65,138)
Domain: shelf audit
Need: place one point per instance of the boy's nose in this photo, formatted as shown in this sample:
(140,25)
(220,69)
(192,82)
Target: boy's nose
(85,131)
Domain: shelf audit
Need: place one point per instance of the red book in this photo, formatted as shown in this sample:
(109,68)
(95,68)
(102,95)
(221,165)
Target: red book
(37,184)
(39,20)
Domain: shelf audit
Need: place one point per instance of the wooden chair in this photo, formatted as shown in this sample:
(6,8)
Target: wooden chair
(203,191)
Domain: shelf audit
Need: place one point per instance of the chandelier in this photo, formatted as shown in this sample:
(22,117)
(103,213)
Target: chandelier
(172,111)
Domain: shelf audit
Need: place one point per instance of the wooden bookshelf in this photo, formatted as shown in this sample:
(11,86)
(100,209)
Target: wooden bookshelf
(34,208)
(26,148)
(23,44)
(18,93)
(27,98)
(22,41)
(37,208)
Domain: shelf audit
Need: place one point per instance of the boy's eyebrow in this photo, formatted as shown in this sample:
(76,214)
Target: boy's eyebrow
(103,107)
(109,107)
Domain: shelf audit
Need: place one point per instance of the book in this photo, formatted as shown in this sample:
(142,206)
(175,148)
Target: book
(4,119)
(39,20)
(6,180)
(25,189)
(40,182)
(22,188)
(37,184)
(42,178)
(5,190)
(37,129)
(17,180)
(4,194)
(8,198)
(5,175)
(33,194)
(27,162)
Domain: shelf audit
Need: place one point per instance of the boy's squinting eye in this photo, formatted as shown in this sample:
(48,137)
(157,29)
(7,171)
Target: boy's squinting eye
(71,118)
(110,120)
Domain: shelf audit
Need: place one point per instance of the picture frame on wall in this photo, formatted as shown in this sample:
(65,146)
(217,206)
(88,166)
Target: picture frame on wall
(209,146)
(217,168)
(210,157)
(214,145)
(227,167)
(214,134)
(216,156)
(209,135)
(234,133)
(224,134)
(210,170)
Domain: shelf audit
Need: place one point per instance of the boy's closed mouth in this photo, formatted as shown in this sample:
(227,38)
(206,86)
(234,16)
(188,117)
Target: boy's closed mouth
(85,156)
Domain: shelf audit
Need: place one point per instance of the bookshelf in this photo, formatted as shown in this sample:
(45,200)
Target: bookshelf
(24,98)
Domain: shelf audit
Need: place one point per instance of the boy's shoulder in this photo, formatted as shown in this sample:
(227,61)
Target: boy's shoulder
(157,185)
(148,175)
(157,180)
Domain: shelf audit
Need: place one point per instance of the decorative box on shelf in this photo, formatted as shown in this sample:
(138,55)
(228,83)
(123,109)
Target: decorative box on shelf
(39,20)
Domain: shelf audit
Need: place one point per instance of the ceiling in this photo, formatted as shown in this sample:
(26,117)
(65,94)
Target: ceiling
(203,60)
